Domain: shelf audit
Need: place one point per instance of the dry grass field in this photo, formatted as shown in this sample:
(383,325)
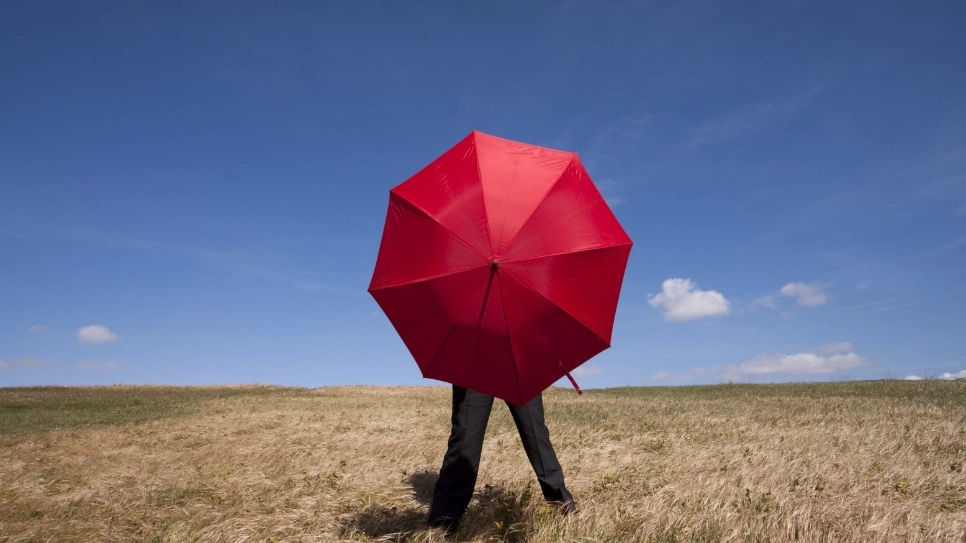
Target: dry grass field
(854,461)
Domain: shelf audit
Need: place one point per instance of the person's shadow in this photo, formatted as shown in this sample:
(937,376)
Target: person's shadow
(423,484)
(494,511)
(394,523)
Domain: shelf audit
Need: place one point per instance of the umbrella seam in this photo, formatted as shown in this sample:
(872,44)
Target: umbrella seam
(513,357)
(450,333)
(568,252)
(508,270)
(540,202)
(420,280)
(479,175)
(562,310)
(441,225)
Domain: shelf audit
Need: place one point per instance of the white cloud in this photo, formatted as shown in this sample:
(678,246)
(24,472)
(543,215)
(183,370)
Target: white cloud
(833,348)
(5,367)
(35,363)
(787,315)
(583,371)
(682,301)
(100,366)
(613,201)
(95,334)
(945,377)
(807,294)
(828,358)
(37,329)
(764,301)
(795,364)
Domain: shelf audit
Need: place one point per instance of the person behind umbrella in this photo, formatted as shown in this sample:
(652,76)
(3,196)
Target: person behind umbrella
(457,477)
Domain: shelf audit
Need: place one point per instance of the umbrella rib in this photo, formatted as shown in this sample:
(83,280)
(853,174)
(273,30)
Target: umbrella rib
(429,278)
(562,310)
(539,202)
(443,226)
(513,260)
(469,304)
(513,358)
(479,176)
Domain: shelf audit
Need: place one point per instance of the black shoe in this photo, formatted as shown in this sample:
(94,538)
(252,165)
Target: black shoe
(448,524)
(565,508)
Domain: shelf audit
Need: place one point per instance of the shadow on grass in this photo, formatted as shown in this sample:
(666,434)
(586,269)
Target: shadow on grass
(395,523)
(498,512)
(379,521)
(494,512)
(423,484)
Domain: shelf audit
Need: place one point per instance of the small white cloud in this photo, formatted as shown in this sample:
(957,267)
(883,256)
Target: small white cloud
(834,348)
(614,201)
(807,294)
(5,366)
(787,315)
(863,285)
(797,364)
(828,358)
(764,301)
(100,366)
(682,301)
(696,372)
(35,363)
(37,329)
(583,371)
(945,377)
(95,334)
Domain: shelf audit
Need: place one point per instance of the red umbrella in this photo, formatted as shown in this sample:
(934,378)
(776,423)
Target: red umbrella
(500,267)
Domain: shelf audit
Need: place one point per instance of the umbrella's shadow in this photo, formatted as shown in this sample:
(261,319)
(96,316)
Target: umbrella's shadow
(494,508)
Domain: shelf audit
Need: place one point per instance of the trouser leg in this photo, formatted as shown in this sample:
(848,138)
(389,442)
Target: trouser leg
(536,442)
(457,477)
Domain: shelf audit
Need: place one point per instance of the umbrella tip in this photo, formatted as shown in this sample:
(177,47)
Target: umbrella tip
(494,264)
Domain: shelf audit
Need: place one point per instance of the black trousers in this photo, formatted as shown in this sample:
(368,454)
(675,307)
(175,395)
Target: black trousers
(457,477)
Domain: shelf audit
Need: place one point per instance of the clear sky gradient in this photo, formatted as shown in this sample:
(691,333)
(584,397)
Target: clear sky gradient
(193,193)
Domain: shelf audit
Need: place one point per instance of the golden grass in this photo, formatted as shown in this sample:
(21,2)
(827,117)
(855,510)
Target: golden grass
(872,461)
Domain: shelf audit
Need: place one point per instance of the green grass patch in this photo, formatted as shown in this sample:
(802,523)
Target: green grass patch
(25,410)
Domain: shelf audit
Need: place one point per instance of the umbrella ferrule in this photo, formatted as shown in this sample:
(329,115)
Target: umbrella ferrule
(494,264)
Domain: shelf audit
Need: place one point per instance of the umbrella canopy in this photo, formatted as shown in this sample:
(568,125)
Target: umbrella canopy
(500,267)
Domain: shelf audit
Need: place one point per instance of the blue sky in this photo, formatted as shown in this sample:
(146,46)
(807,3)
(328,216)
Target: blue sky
(194,193)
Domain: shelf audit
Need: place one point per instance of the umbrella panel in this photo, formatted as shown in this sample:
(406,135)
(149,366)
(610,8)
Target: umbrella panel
(514,178)
(580,283)
(415,248)
(424,312)
(572,216)
(449,190)
(546,340)
(477,353)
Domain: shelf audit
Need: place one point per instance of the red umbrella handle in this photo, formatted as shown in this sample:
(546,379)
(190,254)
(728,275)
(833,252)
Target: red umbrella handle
(572,382)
